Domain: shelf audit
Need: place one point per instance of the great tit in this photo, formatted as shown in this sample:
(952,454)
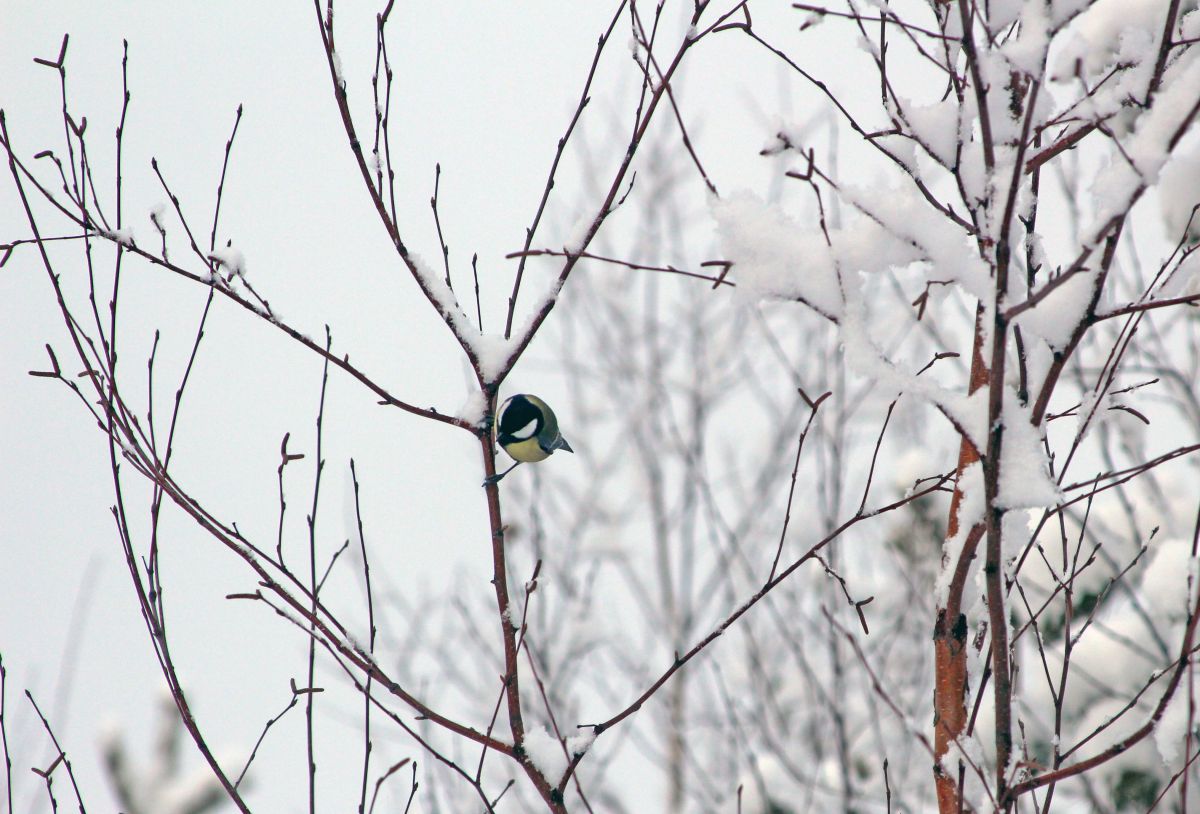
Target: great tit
(528,431)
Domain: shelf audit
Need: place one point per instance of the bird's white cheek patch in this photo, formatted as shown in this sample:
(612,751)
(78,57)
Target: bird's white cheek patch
(527,431)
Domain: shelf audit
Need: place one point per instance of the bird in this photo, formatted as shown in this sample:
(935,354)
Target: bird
(528,431)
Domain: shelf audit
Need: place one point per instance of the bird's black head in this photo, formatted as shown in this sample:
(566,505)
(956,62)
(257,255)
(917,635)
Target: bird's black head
(519,420)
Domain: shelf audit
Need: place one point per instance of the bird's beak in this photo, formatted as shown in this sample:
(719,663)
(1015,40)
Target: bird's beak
(562,444)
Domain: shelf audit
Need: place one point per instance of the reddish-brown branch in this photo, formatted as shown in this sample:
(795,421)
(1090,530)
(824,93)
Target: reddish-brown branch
(618,181)
(325,23)
(508,631)
(716,281)
(1139,307)
(341,362)
(811,554)
(1065,143)
(950,626)
(584,99)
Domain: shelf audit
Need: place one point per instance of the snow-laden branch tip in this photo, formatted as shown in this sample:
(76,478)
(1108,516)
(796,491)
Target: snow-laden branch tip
(546,753)
(1057,316)
(473,408)
(1136,161)
(1025,481)
(230,259)
(495,353)
(489,353)
(121,236)
(776,257)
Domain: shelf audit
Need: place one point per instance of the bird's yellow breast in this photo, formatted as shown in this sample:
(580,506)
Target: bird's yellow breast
(527,451)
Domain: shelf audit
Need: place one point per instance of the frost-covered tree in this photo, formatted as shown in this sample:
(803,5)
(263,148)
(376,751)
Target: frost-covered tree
(1017,148)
